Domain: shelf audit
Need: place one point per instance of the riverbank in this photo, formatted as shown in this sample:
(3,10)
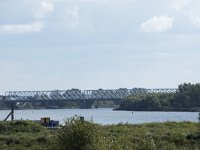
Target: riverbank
(81,134)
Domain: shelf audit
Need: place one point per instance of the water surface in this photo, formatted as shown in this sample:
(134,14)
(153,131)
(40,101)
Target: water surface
(104,115)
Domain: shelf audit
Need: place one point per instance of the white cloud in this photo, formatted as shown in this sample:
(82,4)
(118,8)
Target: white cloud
(180,4)
(72,15)
(74,12)
(157,24)
(193,12)
(195,19)
(101,1)
(22,28)
(42,9)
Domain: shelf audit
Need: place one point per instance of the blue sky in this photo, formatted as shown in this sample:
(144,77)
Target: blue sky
(91,44)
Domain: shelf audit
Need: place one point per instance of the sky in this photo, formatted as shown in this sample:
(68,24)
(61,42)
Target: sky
(92,44)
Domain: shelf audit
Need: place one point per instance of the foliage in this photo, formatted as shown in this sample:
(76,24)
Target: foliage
(78,134)
(147,102)
(187,98)
(20,126)
(23,135)
(165,136)
(81,135)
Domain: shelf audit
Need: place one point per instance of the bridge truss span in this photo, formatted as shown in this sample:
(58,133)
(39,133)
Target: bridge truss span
(78,95)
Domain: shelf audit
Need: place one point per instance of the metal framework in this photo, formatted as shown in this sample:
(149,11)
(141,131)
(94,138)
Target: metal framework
(78,95)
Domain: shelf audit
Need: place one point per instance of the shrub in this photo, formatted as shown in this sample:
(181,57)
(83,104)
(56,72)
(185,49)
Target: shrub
(80,135)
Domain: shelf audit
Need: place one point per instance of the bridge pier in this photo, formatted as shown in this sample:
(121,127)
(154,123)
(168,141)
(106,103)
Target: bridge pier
(86,105)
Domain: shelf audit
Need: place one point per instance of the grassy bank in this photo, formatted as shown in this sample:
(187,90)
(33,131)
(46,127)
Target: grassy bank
(21,135)
(77,135)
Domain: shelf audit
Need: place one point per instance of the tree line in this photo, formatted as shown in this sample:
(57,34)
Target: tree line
(187,98)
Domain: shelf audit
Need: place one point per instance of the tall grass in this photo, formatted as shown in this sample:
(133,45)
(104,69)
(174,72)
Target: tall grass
(78,134)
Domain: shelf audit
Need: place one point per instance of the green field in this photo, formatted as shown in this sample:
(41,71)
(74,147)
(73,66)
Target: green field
(77,135)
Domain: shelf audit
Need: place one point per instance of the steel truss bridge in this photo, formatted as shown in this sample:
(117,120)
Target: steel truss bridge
(85,98)
(78,95)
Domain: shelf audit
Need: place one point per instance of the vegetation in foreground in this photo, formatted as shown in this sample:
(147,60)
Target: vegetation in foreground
(187,98)
(83,135)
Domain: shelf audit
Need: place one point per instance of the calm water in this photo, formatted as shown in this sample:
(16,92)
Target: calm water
(103,116)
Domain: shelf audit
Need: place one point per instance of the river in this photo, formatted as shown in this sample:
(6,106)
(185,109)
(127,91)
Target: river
(103,115)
